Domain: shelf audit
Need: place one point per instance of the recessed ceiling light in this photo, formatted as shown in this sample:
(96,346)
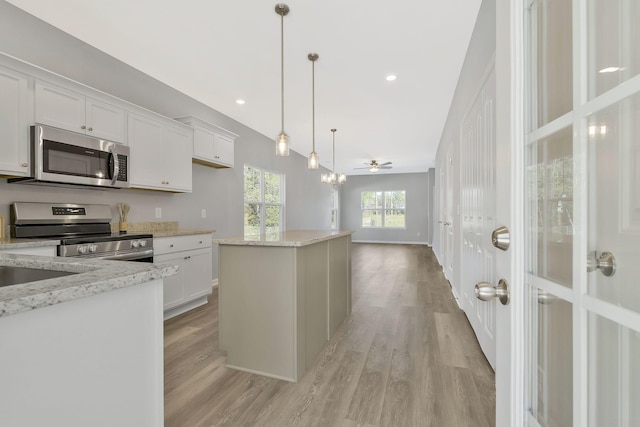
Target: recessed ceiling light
(610,70)
(240,101)
(391,77)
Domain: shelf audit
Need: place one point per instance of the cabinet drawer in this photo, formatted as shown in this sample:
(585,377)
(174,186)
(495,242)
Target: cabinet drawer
(164,245)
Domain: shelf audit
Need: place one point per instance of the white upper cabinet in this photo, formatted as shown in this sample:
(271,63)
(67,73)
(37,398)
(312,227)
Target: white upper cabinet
(66,109)
(14,123)
(212,145)
(160,154)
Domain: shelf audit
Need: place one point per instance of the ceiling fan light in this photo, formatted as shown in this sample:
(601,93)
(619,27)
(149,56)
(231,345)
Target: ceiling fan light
(373,169)
(312,162)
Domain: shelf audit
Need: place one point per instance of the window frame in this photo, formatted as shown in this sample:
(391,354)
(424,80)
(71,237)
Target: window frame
(262,204)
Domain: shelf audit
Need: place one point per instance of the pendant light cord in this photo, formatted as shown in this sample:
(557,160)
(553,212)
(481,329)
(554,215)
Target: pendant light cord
(333,162)
(313,104)
(282,68)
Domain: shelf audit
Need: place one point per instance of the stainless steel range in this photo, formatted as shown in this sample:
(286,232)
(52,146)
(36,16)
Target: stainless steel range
(84,231)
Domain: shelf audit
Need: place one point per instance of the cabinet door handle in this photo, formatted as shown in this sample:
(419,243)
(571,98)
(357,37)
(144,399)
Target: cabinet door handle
(90,129)
(171,245)
(83,127)
(187,257)
(24,165)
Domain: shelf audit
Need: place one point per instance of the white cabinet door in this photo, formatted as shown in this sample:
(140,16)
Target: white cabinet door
(203,142)
(60,107)
(223,150)
(66,109)
(14,130)
(212,145)
(105,121)
(173,286)
(178,149)
(160,155)
(147,152)
(197,273)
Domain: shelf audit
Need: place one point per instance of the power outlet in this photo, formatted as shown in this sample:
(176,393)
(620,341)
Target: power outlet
(158,212)
(204,213)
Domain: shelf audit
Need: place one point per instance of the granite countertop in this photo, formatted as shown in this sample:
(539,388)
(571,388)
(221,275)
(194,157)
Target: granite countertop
(180,232)
(162,229)
(296,238)
(95,277)
(11,243)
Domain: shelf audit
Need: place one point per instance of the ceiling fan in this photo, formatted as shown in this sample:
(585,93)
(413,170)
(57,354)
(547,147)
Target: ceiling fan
(374,166)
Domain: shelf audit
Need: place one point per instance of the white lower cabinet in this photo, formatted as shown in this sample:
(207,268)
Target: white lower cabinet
(191,287)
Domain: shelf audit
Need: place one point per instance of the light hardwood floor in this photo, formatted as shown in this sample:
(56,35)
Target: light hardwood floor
(406,356)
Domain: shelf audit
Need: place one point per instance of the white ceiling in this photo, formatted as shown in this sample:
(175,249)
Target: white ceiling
(217,51)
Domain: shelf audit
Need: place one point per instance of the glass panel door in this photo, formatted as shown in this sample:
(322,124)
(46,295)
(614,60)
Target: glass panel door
(583,186)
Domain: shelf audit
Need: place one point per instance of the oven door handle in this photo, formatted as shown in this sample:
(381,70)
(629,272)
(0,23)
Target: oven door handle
(129,255)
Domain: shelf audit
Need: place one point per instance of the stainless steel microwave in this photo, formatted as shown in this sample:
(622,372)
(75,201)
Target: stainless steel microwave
(62,157)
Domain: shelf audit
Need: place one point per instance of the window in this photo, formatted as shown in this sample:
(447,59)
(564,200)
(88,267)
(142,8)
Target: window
(263,203)
(334,208)
(383,209)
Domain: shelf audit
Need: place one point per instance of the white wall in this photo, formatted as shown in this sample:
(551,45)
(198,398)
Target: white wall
(418,212)
(219,191)
(479,55)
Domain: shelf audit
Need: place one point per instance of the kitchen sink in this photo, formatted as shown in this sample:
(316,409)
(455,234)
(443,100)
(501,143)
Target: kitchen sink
(10,275)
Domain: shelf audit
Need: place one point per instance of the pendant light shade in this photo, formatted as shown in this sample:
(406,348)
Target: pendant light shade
(282,140)
(333,178)
(313,161)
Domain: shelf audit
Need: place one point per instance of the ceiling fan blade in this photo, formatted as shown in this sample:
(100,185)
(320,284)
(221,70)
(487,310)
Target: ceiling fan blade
(364,168)
(385,167)
(384,164)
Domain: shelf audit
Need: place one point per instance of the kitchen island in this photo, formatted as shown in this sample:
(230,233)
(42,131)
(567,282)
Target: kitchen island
(82,349)
(281,297)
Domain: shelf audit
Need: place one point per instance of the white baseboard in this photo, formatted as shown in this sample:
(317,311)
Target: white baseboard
(214,283)
(392,243)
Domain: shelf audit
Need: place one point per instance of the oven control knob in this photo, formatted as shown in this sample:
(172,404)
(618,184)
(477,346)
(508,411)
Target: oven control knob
(93,248)
(82,249)
(135,243)
(143,243)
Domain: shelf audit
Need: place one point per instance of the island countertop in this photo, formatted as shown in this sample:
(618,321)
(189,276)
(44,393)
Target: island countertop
(294,238)
(13,243)
(94,277)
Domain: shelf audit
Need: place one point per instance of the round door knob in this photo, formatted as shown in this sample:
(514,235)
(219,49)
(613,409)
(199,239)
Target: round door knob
(486,291)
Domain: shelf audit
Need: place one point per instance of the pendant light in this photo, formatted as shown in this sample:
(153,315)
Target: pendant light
(313,161)
(282,140)
(333,178)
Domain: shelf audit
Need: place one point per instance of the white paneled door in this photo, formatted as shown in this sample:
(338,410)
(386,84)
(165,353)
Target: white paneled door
(478,209)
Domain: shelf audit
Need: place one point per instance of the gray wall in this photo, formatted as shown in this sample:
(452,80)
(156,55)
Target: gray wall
(219,191)
(416,186)
(479,58)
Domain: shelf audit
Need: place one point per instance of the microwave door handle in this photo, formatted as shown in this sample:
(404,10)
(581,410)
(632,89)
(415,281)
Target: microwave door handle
(116,165)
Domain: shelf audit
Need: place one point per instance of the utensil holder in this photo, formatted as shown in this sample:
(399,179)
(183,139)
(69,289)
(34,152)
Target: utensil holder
(123,226)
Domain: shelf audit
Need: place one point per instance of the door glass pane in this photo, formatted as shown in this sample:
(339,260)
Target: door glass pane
(614,374)
(550,176)
(552,60)
(613,43)
(614,200)
(551,360)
